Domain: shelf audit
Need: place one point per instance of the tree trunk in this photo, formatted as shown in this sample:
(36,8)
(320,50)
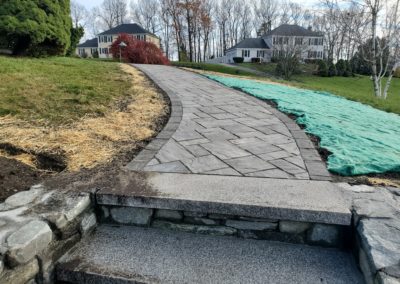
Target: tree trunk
(389,80)
(189,28)
(375,78)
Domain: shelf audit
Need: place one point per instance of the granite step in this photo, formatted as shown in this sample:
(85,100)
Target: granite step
(141,255)
(278,199)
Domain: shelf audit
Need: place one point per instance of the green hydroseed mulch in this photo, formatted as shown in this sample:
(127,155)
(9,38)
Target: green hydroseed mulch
(362,139)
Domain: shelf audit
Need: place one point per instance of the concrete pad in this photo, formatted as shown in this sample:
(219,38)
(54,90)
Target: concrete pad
(293,200)
(139,255)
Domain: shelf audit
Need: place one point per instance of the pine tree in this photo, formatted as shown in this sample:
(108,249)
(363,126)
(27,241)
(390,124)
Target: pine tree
(35,27)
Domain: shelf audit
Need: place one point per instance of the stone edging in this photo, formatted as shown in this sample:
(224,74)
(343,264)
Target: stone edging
(37,227)
(149,152)
(315,165)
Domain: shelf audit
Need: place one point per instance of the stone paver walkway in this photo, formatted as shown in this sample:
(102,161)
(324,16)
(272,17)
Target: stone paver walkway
(220,131)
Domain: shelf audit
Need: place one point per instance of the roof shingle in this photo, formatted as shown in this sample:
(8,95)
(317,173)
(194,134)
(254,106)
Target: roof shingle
(126,29)
(292,30)
(252,43)
(90,43)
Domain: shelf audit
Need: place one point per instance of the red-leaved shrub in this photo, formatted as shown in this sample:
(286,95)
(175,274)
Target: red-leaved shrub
(138,51)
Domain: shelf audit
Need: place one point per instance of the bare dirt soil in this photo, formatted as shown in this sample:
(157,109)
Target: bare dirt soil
(16,176)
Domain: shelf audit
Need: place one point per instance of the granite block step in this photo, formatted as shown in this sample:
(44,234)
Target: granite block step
(281,199)
(141,255)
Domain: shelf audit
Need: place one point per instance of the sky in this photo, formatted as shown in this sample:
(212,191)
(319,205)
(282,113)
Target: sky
(92,3)
(89,3)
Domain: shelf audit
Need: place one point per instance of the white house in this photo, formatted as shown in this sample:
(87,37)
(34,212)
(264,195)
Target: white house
(273,43)
(102,43)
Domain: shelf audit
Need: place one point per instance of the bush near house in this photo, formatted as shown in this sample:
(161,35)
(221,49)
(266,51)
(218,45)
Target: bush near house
(138,51)
(397,73)
(340,67)
(322,68)
(238,59)
(343,68)
(331,69)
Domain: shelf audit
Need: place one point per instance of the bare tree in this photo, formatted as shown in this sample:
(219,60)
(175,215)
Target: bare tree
(246,19)
(112,12)
(292,13)
(175,13)
(330,23)
(206,24)
(265,12)
(165,23)
(289,50)
(384,49)
(223,9)
(147,14)
(79,14)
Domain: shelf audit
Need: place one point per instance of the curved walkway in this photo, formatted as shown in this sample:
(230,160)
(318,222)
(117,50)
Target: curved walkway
(220,131)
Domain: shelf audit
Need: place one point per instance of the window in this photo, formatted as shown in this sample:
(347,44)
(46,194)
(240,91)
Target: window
(298,41)
(278,53)
(281,40)
(285,40)
(260,53)
(312,54)
(316,41)
(245,53)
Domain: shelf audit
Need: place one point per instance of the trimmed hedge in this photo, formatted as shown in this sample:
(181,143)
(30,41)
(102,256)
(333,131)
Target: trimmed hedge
(238,59)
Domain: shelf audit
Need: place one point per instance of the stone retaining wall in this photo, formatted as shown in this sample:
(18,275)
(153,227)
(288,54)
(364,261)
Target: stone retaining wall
(37,227)
(376,225)
(228,225)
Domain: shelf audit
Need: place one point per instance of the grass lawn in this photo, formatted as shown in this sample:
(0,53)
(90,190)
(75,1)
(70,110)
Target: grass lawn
(306,69)
(357,88)
(58,90)
(266,68)
(82,112)
(213,67)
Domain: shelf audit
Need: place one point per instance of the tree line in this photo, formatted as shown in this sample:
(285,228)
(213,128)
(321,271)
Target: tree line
(199,30)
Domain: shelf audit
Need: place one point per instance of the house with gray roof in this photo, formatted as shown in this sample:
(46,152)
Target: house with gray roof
(102,43)
(274,43)
(88,48)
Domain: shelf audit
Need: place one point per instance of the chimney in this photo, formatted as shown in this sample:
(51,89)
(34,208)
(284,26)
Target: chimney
(309,28)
